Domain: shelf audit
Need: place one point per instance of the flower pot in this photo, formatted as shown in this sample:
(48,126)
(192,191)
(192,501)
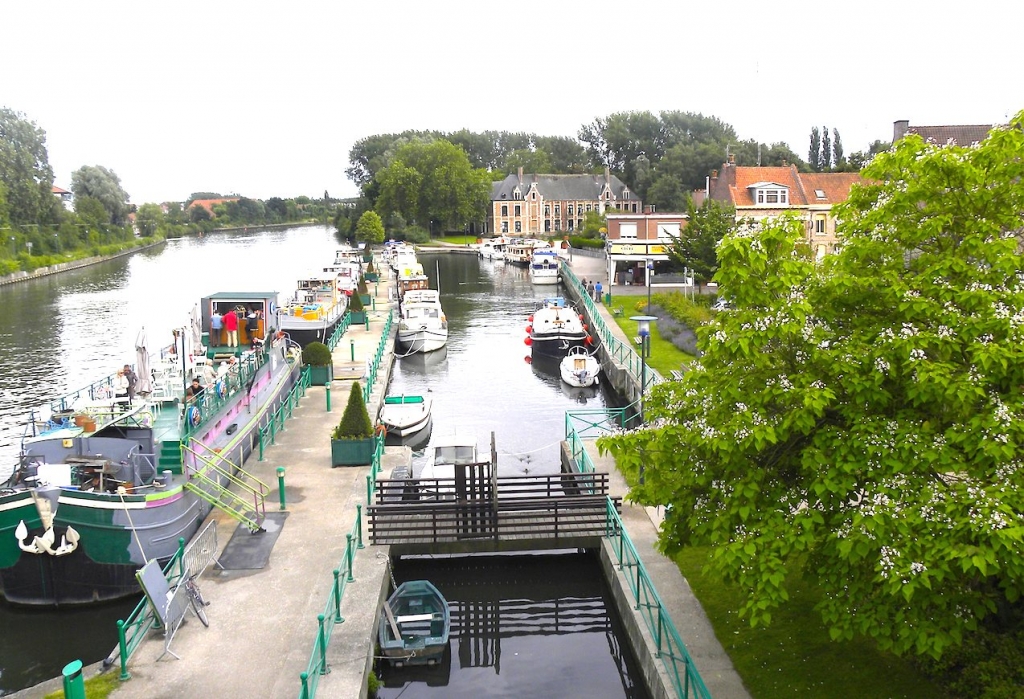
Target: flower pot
(365,298)
(357,317)
(371,277)
(352,452)
(321,375)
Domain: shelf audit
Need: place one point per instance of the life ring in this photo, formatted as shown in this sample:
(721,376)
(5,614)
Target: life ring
(193,416)
(222,389)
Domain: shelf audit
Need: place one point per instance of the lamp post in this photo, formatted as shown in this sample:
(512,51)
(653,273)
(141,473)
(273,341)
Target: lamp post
(650,273)
(644,331)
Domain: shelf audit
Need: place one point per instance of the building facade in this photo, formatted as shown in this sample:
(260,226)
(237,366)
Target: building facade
(759,192)
(637,243)
(550,205)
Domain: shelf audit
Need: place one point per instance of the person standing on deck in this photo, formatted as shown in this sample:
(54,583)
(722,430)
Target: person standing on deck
(216,325)
(132,380)
(231,326)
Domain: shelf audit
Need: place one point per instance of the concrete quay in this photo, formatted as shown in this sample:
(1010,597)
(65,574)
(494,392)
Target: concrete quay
(263,623)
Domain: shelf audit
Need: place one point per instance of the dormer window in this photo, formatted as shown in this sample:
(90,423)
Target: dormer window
(770,194)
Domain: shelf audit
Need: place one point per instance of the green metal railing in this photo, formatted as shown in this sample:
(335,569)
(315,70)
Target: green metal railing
(620,352)
(268,432)
(339,331)
(669,646)
(686,680)
(214,397)
(132,631)
(371,374)
(331,615)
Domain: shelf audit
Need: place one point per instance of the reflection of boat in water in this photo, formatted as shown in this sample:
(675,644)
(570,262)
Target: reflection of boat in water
(437,675)
(414,625)
(88,506)
(579,368)
(424,362)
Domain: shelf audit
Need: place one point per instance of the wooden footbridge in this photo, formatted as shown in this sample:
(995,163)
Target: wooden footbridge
(475,512)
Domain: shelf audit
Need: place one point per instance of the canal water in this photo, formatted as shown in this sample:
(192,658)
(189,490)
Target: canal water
(61,332)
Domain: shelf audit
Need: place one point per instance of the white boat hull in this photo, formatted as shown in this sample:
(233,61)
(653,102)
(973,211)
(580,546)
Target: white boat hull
(422,340)
(579,369)
(404,419)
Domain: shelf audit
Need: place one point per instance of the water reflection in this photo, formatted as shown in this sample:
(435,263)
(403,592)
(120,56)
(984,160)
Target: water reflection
(525,625)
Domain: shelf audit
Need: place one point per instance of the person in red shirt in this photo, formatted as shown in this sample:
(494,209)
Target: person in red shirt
(231,327)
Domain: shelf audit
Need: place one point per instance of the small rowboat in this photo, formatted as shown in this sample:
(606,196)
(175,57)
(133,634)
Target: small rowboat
(405,415)
(414,625)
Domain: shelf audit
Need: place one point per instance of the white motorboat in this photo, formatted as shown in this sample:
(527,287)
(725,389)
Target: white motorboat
(437,479)
(544,266)
(493,248)
(579,368)
(405,415)
(423,326)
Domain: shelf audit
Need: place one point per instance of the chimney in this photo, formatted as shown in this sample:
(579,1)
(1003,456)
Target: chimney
(608,176)
(732,159)
(714,174)
(785,163)
(520,176)
(899,129)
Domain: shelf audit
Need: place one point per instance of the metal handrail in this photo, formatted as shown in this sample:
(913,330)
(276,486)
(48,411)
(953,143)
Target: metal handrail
(669,646)
(283,411)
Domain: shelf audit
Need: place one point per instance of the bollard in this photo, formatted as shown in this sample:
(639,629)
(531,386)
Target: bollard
(122,645)
(336,597)
(74,683)
(322,643)
(366,320)
(352,349)
(280,485)
(328,397)
(373,304)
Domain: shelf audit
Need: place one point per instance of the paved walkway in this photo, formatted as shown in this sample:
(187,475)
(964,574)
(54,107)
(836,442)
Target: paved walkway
(263,622)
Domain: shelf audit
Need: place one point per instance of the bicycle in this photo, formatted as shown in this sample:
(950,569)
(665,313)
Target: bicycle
(199,604)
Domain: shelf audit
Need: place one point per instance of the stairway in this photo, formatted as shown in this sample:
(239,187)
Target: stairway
(235,492)
(170,456)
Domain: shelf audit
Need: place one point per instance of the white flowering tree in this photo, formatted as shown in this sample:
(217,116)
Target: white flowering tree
(860,421)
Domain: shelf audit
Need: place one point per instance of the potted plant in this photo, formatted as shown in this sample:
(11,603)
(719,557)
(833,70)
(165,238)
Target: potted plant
(352,440)
(356,309)
(317,356)
(364,293)
(371,273)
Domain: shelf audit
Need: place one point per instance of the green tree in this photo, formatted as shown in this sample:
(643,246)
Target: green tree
(447,189)
(825,163)
(536,161)
(103,185)
(25,171)
(370,228)
(860,159)
(198,214)
(91,211)
(859,420)
(149,219)
(695,247)
(594,225)
(814,152)
(838,160)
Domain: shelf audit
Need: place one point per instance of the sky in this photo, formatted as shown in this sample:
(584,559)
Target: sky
(266,99)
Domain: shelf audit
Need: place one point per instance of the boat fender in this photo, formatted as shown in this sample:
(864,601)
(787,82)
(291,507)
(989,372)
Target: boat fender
(528,341)
(231,428)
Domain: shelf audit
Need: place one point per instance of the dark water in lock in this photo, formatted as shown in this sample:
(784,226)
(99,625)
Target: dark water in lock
(64,331)
(522,626)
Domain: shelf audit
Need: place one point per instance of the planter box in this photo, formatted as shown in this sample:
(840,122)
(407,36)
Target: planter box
(371,277)
(321,375)
(357,317)
(365,298)
(352,452)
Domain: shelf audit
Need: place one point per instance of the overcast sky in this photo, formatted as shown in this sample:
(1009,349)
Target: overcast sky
(266,99)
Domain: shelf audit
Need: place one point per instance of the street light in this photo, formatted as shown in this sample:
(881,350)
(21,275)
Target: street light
(644,331)
(650,273)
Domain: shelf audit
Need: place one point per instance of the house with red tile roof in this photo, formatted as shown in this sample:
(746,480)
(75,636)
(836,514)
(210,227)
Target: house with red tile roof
(759,192)
(208,204)
(957,135)
(66,197)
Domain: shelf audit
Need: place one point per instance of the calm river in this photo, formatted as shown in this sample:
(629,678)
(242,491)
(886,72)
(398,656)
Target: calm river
(60,333)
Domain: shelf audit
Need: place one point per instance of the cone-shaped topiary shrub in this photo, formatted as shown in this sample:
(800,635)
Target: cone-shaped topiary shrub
(361,287)
(355,304)
(355,422)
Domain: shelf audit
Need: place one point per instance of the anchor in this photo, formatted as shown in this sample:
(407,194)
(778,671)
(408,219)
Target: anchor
(44,544)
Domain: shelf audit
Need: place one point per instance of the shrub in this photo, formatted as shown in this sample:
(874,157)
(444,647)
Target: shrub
(355,422)
(316,354)
(369,267)
(355,304)
(361,286)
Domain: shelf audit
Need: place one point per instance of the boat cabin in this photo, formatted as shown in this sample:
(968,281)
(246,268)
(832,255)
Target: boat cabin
(243,304)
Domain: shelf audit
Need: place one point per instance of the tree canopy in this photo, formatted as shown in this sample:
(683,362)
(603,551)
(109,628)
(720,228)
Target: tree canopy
(25,171)
(370,228)
(858,421)
(696,246)
(104,186)
(433,181)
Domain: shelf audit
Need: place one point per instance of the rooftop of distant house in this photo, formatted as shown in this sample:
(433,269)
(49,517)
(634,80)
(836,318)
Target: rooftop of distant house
(955,134)
(208,204)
